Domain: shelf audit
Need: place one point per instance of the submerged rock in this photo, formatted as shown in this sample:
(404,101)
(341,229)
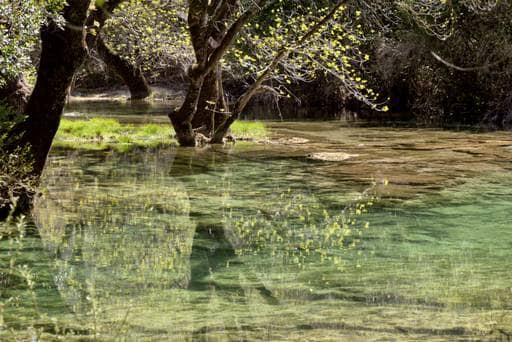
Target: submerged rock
(292,140)
(331,156)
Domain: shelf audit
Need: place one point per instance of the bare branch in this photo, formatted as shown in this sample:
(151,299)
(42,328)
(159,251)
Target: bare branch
(467,69)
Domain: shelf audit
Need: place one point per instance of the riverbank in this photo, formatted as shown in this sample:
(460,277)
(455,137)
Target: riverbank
(121,93)
(262,107)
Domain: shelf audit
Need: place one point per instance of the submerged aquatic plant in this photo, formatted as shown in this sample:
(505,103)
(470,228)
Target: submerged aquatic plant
(17,279)
(31,302)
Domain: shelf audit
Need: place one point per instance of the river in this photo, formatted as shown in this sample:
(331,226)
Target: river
(409,239)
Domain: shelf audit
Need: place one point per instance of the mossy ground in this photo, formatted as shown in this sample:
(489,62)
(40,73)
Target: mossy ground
(101,133)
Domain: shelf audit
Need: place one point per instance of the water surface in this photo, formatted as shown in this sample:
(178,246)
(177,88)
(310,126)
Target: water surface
(409,240)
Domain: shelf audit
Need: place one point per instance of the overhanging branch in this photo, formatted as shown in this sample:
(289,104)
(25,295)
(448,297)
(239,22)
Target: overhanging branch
(467,69)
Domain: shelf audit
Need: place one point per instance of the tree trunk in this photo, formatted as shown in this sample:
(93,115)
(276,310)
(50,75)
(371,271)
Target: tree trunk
(211,38)
(211,107)
(131,75)
(181,119)
(63,52)
(15,94)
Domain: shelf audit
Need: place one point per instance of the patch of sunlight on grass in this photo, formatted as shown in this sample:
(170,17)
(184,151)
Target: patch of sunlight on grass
(96,128)
(101,133)
(249,130)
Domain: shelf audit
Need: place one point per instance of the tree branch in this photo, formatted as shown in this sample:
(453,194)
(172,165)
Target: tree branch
(282,53)
(244,99)
(453,66)
(230,36)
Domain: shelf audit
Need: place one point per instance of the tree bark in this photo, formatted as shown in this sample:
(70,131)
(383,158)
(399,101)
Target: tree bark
(181,119)
(211,38)
(63,52)
(212,107)
(15,94)
(131,75)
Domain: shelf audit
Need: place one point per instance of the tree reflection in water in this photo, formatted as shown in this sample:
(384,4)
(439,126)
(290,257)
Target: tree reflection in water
(168,228)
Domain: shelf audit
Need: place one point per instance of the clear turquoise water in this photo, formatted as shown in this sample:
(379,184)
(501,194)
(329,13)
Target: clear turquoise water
(410,240)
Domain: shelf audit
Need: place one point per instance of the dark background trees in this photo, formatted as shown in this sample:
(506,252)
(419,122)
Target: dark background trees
(400,38)
(446,63)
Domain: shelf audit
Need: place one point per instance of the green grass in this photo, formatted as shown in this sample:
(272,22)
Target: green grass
(101,133)
(249,130)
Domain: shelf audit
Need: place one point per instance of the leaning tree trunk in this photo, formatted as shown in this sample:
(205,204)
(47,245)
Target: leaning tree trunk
(131,75)
(63,52)
(15,94)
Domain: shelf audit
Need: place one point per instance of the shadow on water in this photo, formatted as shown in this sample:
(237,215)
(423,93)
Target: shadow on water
(211,249)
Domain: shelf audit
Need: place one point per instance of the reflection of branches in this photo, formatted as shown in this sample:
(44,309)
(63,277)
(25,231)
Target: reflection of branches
(296,230)
(212,249)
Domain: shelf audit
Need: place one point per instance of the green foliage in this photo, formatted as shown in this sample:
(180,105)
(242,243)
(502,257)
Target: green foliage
(155,36)
(150,34)
(19,26)
(15,168)
(336,50)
